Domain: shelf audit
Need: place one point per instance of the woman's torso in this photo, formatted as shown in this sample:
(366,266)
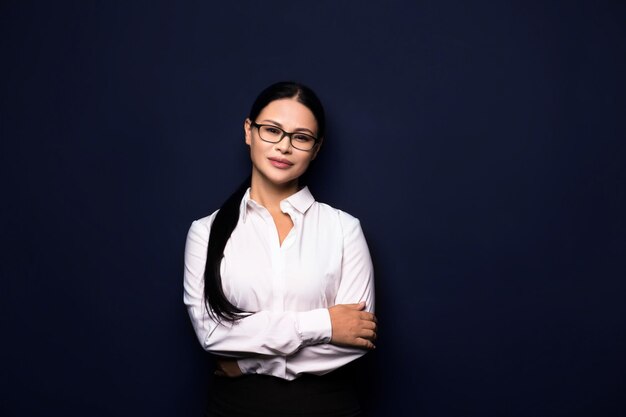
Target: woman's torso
(258,273)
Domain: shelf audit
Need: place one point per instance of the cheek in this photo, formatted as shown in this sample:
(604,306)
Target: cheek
(304,164)
(256,149)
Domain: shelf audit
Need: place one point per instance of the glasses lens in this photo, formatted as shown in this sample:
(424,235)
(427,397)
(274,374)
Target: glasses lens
(270,133)
(302,141)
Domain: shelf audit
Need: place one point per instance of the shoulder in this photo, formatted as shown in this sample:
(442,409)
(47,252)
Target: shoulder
(202,227)
(345,221)
(206,221)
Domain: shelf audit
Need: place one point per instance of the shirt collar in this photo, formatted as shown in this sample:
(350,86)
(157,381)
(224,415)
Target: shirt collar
(301,201)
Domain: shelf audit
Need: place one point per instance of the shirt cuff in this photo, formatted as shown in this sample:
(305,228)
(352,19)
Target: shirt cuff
(314,326)
(268,365)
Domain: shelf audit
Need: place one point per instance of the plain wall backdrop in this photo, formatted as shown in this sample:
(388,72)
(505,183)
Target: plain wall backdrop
(481,144)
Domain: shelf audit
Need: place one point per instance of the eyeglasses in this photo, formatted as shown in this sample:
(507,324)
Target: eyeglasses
(273,134)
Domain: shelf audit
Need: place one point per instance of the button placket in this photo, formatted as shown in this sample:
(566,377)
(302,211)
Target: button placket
(286,249)
(277,261)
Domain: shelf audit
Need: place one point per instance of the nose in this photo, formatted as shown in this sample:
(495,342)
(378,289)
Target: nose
(284,144)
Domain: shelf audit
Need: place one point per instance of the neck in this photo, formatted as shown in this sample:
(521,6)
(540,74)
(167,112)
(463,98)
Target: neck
(268,194)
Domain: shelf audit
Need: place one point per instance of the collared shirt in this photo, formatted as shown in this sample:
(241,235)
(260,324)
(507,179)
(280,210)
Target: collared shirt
(323,261)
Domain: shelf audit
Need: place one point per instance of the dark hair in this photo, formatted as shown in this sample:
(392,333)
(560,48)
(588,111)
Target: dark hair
(226,219)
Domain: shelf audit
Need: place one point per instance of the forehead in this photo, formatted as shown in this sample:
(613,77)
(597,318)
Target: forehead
(290,113)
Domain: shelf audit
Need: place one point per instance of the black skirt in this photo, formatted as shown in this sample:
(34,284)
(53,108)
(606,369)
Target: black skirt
(329,395)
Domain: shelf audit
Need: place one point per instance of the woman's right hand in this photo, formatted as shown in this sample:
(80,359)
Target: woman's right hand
(351,326)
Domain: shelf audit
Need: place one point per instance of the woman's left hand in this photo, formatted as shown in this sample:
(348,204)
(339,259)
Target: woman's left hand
(228,368)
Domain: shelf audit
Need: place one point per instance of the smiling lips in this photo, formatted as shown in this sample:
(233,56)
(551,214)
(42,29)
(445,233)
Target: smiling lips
(280,162)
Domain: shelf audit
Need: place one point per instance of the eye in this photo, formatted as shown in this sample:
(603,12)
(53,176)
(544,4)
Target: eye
(301,137)
(272,130)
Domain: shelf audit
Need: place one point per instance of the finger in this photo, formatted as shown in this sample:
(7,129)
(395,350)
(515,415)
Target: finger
(368,334)
(357,306)
(365,343)
(370,325)
(367,316)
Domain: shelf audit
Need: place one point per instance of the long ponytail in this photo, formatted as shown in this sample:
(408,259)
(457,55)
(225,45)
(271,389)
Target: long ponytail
(225,221)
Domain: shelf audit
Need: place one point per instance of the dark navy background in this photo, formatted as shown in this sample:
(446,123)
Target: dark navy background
(480,143)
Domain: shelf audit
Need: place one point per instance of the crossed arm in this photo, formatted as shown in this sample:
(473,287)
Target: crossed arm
(286,344)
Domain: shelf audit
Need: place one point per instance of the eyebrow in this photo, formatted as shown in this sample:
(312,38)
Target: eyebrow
(300,129)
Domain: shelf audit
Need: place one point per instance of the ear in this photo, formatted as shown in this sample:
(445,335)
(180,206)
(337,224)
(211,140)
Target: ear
(317,149)
(247,130)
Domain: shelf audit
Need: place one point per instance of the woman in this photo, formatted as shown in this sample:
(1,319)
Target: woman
(289,291)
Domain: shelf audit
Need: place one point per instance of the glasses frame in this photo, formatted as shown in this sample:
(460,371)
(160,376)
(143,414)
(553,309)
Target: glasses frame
(285,133)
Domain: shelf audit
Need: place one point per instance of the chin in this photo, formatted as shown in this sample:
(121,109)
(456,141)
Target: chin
(283,181)
(282,177)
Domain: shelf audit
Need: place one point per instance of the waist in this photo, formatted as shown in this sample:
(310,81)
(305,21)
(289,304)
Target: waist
(331,394)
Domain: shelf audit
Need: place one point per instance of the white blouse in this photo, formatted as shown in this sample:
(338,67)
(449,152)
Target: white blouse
(323,261)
